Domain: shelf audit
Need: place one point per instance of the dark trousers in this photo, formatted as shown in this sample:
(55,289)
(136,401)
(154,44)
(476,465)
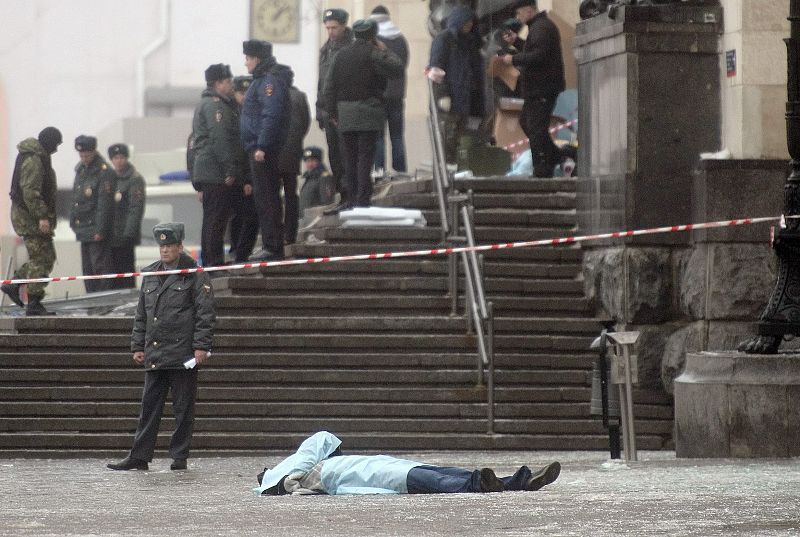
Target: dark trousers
(244,225)
(332,136)
(267,198)
(96,259)
(394,120)
(183,384)
(535,123)
(448,479)
(358,152)
(217,204)
(123,259)
(291,210)
(452,127)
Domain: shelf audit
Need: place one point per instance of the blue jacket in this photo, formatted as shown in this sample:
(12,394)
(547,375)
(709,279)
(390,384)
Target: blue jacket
(266,108)
(459,56)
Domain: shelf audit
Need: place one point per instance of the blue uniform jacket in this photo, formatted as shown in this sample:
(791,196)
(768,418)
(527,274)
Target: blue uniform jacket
(266,108)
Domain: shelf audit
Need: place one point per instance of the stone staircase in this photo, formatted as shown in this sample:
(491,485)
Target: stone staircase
(366,349)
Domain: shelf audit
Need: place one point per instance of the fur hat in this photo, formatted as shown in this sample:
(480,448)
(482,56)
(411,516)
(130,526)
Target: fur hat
(241,83)
(257,48)
(118,149)
(85,143)
(365,29)
(169,233)
(338,15)
(218,71)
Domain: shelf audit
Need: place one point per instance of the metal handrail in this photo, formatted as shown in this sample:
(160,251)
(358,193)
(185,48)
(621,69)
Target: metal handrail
(478,313)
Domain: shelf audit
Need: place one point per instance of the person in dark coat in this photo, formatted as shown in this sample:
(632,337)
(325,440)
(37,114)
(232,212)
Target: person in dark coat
(319,187)
(264,127)
(542,79)
(33,215)
(339,36)
(460,95)
(289,164)
(394,96)
(172,334)
(244,223)
(92,212)
(126,231)
(218,163)
(508,42)
(357,109)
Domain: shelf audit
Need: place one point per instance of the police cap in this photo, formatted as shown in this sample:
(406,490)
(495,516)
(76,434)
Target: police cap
(118,149)
(169,233)
(522,3)
(312,152)
(85,143)
(335,14)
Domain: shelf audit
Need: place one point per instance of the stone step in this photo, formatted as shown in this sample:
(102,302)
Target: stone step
(491,184)
(486,218)
(341,425)
(39,444)
(510,200)
(244,377)
(432,235)
(288,359)
(565,254)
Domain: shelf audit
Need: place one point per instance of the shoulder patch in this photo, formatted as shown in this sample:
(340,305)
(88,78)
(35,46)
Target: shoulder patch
(268,89)
(103,167)
(218,116)
(326,173)
(216,99)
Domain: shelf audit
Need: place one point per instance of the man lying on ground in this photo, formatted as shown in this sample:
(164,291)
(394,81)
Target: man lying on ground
(318,467)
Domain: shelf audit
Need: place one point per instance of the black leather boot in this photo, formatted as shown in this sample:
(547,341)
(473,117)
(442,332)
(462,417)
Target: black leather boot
(12,290)
(128,463)
(35,308)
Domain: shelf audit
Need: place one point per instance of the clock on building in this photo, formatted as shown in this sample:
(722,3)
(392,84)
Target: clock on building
(276,21)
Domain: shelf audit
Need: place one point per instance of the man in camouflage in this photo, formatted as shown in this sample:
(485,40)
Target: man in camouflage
(33,215)
(126,230)
(92,211)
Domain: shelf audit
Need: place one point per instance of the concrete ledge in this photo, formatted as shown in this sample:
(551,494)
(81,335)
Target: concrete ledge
(731,404)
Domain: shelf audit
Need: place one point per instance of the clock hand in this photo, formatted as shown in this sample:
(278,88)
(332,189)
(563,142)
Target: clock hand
(279,13)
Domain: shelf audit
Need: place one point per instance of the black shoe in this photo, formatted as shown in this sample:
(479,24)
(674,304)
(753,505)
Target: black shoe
(543,477)
(336,209)
(12,290)
(178,464)
(35,308)
(490,482)
(265,255)
(129,463)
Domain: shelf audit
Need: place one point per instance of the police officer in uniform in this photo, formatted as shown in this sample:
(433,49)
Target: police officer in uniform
(339,36)
(33,215)
(244,223)
(129,199)
(174,324)
(264,127)
(92,211)
(217,159)
(319,186)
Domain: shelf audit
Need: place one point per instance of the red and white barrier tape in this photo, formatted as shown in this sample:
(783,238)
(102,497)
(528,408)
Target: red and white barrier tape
(554,129)
(416,253)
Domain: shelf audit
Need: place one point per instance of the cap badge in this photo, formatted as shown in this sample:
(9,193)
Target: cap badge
(88,192)
(118,196)
(162,237)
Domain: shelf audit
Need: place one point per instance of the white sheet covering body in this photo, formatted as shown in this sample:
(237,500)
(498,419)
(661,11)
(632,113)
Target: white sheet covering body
(347,474)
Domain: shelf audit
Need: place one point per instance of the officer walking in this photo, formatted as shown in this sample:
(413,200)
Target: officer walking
(264,127)
(217,159)
(126,231)
(33,215)
(92,211)
(173,325)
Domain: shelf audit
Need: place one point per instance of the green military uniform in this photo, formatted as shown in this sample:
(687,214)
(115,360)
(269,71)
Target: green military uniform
(126,232)
(33,199)
(91,214)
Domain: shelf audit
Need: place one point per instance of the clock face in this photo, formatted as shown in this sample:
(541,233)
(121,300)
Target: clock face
(277,21)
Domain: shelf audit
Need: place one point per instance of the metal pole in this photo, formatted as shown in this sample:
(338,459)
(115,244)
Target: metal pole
(623,407)
(629,402)
(490,375)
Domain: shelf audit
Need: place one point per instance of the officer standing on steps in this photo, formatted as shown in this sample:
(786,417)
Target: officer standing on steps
(92,211)
(126,231)
(33,214)
(173,325)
